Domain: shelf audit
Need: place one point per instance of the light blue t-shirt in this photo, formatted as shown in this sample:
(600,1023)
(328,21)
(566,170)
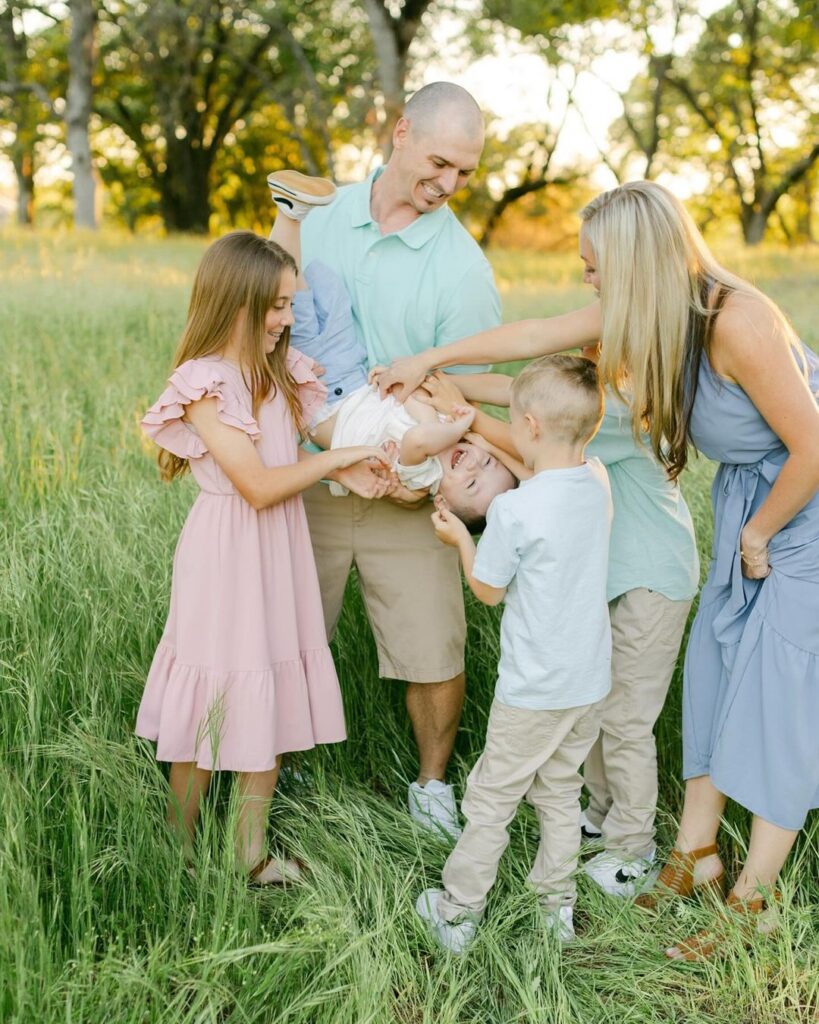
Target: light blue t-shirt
(652,536)
(548,543)
(426,285)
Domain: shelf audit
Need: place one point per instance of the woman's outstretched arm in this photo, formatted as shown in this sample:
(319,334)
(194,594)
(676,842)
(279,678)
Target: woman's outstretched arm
(525,339)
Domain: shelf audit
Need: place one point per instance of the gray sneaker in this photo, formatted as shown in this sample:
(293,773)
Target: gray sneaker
(559,923)
(433,807)
(623,878)
(455,936)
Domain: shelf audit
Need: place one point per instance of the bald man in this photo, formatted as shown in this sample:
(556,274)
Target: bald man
(416,278)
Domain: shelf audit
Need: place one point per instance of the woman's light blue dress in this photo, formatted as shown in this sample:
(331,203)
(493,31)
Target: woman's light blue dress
(751,690)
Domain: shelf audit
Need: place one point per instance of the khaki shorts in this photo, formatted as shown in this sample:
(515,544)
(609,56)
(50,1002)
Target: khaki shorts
(410,582)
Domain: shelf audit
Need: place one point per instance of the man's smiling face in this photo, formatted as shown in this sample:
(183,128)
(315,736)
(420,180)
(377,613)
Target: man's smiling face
(434,165)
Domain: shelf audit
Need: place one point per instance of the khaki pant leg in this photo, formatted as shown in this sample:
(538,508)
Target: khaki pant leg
(331,533)
(411,586)
(517,743)
(555,795)
(621,773)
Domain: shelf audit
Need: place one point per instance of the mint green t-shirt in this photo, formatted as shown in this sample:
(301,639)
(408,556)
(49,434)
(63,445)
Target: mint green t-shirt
(652,536)
(426,285)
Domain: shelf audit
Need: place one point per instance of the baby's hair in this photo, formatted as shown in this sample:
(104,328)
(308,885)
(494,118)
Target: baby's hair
(240,272)
(474,521)
(563,393)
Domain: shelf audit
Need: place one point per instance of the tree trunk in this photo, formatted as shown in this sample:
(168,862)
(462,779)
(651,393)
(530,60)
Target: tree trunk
(78,109)
(754,225)
(184,189)
(391,70)
(24,172)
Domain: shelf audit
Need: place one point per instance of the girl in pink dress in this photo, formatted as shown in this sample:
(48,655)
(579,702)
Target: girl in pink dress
(243,672)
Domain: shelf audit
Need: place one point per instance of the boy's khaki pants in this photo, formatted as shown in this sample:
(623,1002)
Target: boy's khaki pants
(522,747)
(621,769)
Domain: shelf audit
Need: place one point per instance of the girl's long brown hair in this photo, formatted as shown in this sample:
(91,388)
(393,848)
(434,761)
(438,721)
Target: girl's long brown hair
(239,274)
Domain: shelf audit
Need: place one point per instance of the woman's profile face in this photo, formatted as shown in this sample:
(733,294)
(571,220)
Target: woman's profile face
(591,275)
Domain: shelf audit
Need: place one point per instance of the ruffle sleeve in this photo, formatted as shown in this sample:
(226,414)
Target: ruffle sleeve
(312,393)
(191,381)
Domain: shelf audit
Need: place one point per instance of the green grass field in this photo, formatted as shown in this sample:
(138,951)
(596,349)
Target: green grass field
(99,921)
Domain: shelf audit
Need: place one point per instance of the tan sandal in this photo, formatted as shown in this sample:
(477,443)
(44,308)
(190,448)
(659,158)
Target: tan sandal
(287,872)
(677,878)
(748,915)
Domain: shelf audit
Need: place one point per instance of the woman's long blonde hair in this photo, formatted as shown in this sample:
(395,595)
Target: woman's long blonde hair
(239,273)
(660,292)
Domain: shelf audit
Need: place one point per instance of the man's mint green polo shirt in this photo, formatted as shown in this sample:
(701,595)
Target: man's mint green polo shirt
(428,284)
(652,536)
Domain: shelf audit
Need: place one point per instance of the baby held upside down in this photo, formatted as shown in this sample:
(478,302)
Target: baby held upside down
(430,454)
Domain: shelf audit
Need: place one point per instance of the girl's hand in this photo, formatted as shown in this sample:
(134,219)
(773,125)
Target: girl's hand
(366,480)
(361,453)
(754,555)
(318,369)
(402,377)
(441,392)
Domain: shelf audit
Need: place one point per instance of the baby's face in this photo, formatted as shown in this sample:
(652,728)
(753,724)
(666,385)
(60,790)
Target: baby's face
(472,478)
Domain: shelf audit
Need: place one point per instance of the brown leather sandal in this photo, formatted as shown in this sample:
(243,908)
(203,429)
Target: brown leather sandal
(289,871)
(677,878)
(745,914)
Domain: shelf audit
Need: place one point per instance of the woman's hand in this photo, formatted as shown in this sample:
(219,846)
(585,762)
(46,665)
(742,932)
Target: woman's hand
(401,378)
(754,554)
(441,392)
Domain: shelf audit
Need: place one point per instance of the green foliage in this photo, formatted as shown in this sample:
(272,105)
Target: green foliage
(539,18)
(99,920)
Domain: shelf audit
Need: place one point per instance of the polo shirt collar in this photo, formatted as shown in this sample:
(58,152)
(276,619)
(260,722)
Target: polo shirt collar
(414,235)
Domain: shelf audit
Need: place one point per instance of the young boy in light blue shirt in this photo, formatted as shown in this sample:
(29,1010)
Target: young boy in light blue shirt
(545,552)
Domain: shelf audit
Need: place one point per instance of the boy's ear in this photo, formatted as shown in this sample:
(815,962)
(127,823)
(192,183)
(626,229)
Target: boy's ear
(533,426)
(440,502)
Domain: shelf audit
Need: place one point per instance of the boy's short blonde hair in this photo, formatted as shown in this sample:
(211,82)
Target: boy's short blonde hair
(564,394)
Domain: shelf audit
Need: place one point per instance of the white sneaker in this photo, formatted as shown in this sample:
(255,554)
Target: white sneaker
(560,923)
(433,806)
(589,833)
(618,877)
(456,936)
(295,194)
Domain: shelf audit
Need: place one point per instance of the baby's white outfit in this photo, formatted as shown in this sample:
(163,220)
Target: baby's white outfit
(363,417)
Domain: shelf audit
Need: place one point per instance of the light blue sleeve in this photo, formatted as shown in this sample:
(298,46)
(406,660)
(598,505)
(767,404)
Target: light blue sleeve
(498,556)
(473,306)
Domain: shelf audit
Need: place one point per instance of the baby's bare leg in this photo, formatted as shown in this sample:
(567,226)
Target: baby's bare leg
(286,232)
(322,434)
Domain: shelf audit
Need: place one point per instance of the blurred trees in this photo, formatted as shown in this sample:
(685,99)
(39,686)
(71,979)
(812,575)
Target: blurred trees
(181,107)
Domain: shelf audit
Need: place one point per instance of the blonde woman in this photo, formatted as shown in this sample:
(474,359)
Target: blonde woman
(704,358)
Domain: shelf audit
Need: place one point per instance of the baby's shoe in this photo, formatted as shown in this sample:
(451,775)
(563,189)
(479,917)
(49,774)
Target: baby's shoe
(559,923)
(619,877)
(295,194)
(456,936)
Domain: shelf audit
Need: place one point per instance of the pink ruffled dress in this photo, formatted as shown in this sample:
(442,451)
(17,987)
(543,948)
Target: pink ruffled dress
(243,671)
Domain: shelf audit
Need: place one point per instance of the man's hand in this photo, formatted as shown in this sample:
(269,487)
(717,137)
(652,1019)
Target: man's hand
(480,442)
(449,529)
(401,378)
(441,392)
(405,498)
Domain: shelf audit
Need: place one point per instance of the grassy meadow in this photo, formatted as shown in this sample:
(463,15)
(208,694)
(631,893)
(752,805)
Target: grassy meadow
(99,920)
